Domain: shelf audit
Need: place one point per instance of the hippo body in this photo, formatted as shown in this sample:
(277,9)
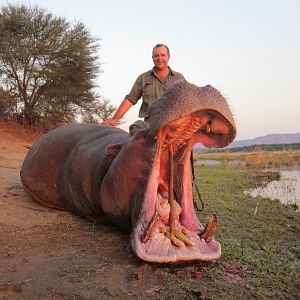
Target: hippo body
(136,180)
(70,163)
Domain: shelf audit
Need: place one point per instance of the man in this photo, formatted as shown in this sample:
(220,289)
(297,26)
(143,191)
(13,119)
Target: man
(149,85)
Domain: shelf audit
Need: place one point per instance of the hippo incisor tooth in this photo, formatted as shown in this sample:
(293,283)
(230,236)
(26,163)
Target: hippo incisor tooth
(185,231)
(184,238)
(174,240)
(179,239)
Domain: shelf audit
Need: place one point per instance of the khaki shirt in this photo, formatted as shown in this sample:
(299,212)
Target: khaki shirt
(149,87)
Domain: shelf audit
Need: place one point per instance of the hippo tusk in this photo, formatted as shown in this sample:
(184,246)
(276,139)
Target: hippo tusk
(151,227)
(208,233)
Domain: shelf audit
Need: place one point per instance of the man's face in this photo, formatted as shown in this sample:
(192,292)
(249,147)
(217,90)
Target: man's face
(160,58)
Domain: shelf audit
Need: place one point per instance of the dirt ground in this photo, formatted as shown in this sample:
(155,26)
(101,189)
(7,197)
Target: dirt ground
(51,254)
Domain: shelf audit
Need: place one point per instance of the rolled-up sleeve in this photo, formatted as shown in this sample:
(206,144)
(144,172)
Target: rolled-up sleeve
(136,91)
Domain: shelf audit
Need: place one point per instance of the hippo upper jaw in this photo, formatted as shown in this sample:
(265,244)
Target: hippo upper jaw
(151,238)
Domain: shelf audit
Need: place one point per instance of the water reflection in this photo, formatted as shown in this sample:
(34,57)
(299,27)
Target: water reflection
(286,190)
(213,162)
(208,162)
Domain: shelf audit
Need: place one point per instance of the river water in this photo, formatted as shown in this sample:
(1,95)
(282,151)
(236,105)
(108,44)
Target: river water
(286,189)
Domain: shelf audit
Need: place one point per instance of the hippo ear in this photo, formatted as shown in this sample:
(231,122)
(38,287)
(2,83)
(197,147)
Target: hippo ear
(113,149)
(136,126)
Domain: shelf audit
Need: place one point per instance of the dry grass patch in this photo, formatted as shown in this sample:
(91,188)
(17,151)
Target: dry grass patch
(260,159)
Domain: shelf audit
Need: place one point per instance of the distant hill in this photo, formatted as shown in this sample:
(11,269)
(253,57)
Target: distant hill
(269,139)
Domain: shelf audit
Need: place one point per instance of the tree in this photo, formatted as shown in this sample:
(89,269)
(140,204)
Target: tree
(7,105)
(48,66)
(98,110)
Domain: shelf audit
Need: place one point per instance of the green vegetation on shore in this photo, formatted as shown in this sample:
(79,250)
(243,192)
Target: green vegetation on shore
(260,242)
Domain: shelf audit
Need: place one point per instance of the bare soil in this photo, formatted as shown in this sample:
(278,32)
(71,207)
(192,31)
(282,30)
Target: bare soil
(51,254)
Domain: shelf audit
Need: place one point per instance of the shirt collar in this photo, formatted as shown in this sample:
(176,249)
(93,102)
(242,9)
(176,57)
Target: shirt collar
(170,73)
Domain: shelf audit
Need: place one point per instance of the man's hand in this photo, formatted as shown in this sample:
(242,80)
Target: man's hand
(123,108)
(110,122)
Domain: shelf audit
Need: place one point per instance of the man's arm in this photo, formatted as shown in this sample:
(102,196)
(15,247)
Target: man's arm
(120,112)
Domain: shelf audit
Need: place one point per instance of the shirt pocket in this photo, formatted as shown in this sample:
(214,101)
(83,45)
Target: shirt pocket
(147,91)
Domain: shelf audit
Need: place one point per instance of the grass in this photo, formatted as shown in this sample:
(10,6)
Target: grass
(260,244)
(260,250)
(257,159)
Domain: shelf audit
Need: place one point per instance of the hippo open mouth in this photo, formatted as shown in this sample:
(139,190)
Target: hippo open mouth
(168,229)
(140,180)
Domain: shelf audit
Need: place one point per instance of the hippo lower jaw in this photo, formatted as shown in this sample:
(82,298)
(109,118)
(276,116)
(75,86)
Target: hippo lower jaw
(152,238)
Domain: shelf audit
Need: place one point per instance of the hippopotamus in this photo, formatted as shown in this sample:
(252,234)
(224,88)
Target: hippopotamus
(139,180)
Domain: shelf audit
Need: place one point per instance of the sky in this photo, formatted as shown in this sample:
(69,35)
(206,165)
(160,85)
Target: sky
(248,49)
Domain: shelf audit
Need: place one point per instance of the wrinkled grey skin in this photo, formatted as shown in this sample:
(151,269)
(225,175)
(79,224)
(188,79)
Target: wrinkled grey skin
(98,170)
(181,99)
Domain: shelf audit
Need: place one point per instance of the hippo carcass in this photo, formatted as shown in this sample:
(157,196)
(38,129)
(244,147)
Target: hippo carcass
(141,179)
